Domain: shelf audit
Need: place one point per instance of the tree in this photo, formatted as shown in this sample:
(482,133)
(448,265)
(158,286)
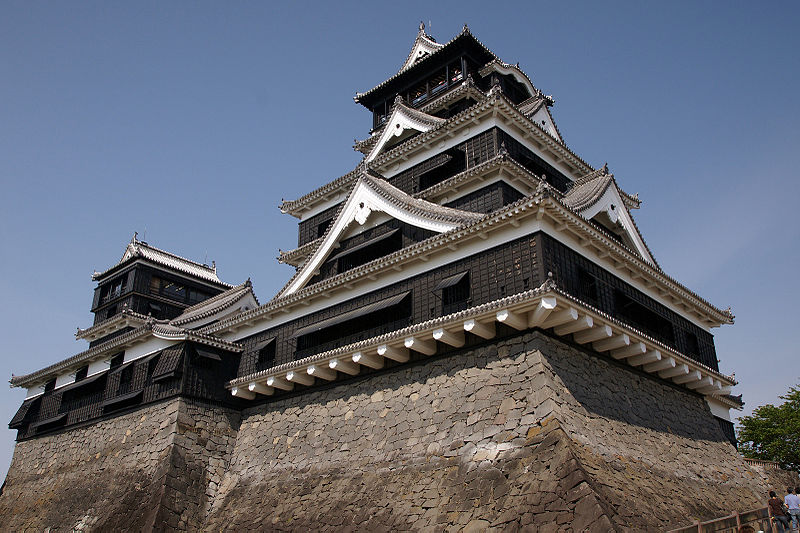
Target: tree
(773,433)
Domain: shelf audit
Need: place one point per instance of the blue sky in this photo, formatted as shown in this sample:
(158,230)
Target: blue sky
(188,122)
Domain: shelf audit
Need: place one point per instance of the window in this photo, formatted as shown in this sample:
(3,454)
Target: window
(322,228)
(455,293)
(113,289)
(265,357)
(50,385)
(169,289)
(587,287)
(365,252)
(692,346)
(196,296)
(117,360)
(81,373)
(643,318)
(362,322)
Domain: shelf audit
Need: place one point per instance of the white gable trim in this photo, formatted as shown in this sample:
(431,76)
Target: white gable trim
(544,120)
(399,123)
(422,46)
(363,200)
(510,70)
(611,204)
(246,303)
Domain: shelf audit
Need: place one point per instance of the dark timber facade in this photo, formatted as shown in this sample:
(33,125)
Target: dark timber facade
(467,223)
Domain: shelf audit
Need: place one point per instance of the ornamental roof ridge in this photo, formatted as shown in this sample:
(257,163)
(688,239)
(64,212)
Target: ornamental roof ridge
(536,202)
(153,327)
(341,181)
(141,249)
(726,315)
(419,205)
(421,116)
(463,33)
(494,99)
(214,304)
(123,315)
(287,256)
(502,158)
(497,62)
(400,200)
(424,44)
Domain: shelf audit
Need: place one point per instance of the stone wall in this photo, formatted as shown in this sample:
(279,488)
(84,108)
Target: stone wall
(529,434)
(152,468)
(526,432)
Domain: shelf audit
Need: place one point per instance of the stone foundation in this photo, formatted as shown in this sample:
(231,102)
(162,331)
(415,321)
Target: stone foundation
(154,468)
(524,434)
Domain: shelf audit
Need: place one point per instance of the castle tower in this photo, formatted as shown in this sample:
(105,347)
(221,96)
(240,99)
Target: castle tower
(475,335)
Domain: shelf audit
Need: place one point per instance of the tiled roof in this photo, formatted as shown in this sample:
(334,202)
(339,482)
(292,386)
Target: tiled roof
(418,206)
(464,33)
(215,304)
(113,323)
(587,191)
(158,328)
(498,65)
(140,249)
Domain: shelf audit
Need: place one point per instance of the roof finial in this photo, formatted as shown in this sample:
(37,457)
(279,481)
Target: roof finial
(214,266)
(398,99)
(605,168)
(502,150)
(135,237)
(465,29)
(421,27)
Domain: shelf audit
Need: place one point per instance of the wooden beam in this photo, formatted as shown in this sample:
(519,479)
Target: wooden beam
(650,357)
(419,345)
(613,343)
(714,388)
(279,383)
(303,378)
(449,337)
(707,381)
(372,361)
(584,322)
(261,389)
(395,354)
(323,372)
(694,375)
(512,319)
(484,331)
(595,334)
(637,348)
(243,393)
(542,311)
(679,370)
(664,364)
(560,317)
(342,365)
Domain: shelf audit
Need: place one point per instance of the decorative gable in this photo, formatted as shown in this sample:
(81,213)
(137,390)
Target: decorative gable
(402,124)
(371,195)
(596,197)
(424,45)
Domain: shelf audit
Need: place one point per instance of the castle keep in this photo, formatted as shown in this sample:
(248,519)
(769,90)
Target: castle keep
(475,335)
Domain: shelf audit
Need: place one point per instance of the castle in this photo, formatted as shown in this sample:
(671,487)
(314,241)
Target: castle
(476,335)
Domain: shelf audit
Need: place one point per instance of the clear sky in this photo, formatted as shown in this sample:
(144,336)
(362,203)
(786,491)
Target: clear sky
(189,121)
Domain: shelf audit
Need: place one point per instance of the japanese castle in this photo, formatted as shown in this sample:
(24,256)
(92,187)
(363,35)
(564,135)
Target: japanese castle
(468,220)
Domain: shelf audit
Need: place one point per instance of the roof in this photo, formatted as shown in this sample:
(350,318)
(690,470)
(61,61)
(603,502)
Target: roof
(423,45)
(125,318)
(215,304)
(493,102)
(156,328)
(495,65)
(373,193)
(464,37)
(137,249)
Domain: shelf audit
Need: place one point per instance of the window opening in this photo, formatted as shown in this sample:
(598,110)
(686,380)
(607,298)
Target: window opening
(643,318)
(81,373)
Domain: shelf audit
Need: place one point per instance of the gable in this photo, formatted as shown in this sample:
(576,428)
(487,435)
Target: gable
(610,212)
(544,120)
(423,46)
(402,124)
(371,198)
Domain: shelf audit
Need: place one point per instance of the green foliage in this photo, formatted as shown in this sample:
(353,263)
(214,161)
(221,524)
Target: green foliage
(773,433)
